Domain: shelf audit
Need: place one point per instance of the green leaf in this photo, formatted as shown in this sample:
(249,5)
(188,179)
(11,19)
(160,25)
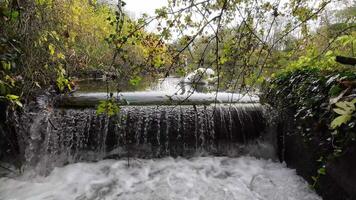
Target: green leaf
(12,97)
(40,2)
(335,90)
(329,53)
(109,107)
(6,65)
(161,12)
(14,14)
(338,121)
(135,81)
(322,171)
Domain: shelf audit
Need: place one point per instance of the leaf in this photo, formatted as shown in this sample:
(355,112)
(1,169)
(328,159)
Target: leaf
(329,53)
(335,90)
(341,104)
(12,97)
(60,56)
(40,2)
(108,107)
(340,111)
(349,107)
(10,80)
(322,171)
(338,121)
(161,12)
(14,14)
(19,103)
(69,87)
(51,49)
(135,81)
(6,65)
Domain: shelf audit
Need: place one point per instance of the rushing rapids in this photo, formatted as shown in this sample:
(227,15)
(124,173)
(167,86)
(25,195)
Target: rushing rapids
(208,178)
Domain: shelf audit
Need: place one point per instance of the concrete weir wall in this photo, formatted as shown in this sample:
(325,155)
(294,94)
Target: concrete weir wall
(339,182)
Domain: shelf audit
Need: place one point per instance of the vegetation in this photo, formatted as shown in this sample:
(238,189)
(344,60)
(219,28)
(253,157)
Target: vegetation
(47,45)
(49,40)
(290,48)
(324,107)
(244,42)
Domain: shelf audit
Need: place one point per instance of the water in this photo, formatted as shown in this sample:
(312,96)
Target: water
(155,148)
(61,136)
(167,91)
(215,178)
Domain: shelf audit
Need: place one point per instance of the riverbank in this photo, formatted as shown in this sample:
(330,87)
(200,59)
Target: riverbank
(315,112)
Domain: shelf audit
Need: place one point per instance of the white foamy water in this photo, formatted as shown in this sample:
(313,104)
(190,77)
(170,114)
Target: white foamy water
(201,178)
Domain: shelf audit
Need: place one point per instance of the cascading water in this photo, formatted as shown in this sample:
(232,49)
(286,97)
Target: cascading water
(71,135)
(212,151)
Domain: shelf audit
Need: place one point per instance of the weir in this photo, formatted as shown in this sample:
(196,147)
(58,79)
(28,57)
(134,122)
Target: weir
(63,136)
(149,152)
(160,145)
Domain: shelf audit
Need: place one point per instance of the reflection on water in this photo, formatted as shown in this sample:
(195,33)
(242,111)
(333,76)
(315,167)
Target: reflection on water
(99,85)
(167,91)
(171,84)
(202,80)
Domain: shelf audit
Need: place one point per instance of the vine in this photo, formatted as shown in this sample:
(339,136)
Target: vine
(324,106)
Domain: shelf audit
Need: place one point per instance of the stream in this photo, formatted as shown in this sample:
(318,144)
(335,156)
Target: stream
(203,178)
(150,151)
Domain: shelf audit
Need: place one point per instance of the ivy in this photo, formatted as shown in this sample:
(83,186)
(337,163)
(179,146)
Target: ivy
(324,106)
(346,110)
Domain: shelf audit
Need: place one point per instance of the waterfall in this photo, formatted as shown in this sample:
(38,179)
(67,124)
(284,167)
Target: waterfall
(187,151)
(65,136)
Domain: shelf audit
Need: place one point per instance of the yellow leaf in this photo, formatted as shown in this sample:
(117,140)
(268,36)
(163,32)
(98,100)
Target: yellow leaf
(347,106)
(60,56)
(51,49)
(338,121)
(351,105)
(340,111)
